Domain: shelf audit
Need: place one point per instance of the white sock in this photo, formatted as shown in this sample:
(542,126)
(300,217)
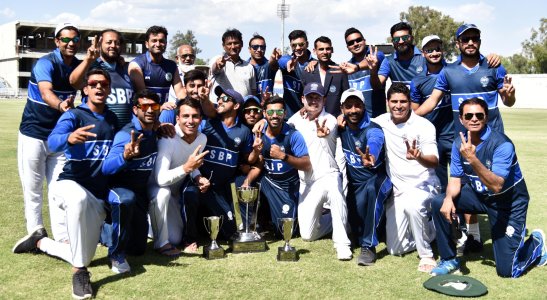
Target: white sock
(473,229)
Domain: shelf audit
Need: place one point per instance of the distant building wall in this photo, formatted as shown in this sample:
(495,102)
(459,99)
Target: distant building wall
(531,91)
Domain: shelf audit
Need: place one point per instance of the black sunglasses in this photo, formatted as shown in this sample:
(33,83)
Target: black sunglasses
(257,47)
(431,50)
(355,41)
(469,116)
(466,39)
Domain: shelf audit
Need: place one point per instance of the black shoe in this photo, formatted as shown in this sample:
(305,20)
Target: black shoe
(81,286)
(367,256)
(28,243)
(471,245)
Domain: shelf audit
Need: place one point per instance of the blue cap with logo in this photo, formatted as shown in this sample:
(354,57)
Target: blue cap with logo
(229,92)
(466,27)
(252,98)
(314,88)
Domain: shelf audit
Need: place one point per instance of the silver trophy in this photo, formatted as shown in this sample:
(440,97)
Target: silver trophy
(287,252)
(212,225)
(248,239)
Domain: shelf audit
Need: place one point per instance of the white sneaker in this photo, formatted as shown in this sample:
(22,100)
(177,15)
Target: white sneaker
(120,266)
(344,253)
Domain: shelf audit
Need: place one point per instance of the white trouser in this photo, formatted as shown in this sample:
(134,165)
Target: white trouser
(165,217)
(36,163)
(407,225)
(313,224)
(85,215)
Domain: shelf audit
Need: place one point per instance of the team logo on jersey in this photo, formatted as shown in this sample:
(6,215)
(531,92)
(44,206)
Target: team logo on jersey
(484,81)
(237,141)
(168,76)
(419,69)
(358,144)
(332,89)
(230,216)
(285,209)
(509,231)
(126,78)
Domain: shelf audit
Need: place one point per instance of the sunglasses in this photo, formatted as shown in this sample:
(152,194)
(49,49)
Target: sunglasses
(253,110)
(469,116)
(355,41)
(431,50)
(258,47)
(279,112)
(67,40)
(225,98)
(185,56)
(301,45)
(466,39)
(405,38)
(145,107)
(94,83)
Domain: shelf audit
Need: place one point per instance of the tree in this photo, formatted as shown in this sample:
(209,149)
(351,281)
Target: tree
(187,38)
(426,21)
(533,58)
(516,64)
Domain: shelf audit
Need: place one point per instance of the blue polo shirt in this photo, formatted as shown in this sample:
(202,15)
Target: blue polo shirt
(375,100)
(292,84)
(403,70)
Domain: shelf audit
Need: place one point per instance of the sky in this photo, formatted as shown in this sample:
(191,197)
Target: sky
(504,24)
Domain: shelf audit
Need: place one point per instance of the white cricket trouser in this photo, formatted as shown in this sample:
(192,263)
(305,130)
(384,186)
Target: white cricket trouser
(407,221)
(165,217)
(84,217)
(36,163)
(313,224)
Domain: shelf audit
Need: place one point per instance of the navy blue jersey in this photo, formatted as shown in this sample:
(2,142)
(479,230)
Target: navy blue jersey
(403,70)
(39,118)
(157,77)
(375,100)
(84,161)
(292,84)
(369,134)
(281,172)
(134,173)
(226,146)
(497,153)
(264,76)
(441,117)
(481,82)
(121,94)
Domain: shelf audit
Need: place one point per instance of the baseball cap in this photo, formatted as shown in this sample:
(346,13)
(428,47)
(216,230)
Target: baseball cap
(252,98)
(430,38)
(64,25)
(466,27)
(351,92)
(232,93)
(456,285)
(314,88)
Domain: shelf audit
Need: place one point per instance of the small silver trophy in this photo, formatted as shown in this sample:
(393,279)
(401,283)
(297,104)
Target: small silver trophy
(212,225)
(249,240)
(287,252)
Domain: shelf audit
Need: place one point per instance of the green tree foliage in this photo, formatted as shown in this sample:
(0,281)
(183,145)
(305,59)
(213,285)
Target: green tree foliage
(426,21)
(533,58)
(188,38)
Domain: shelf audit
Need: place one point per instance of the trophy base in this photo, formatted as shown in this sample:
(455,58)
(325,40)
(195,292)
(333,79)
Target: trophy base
(290,255)
(213,253)
(247,246)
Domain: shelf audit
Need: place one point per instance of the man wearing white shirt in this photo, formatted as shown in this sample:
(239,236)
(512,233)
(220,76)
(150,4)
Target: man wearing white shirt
(323,183)
(178,157)
(412,156)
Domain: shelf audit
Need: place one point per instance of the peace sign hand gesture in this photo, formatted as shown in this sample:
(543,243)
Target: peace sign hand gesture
(80,135)
(93,51)
(467,149)
(508,86)
(322,130)
(195,160)
(132,149)
(372,58)
(205,90)
(367,159)
(412,152)
(258,143)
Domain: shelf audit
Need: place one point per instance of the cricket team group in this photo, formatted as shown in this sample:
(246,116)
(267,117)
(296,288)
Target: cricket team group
(155,145)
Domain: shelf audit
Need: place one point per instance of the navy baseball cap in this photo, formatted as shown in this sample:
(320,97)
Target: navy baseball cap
(229,92)
(252,98)
(466,27)
(314,88)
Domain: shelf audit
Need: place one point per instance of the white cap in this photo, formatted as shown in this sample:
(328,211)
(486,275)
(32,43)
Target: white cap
(351,92)
(430,38)
(64,25)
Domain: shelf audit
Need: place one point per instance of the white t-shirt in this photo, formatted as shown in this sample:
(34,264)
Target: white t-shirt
(239,77)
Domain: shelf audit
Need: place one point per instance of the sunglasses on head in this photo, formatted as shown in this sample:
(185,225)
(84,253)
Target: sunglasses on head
(301,45)
(405,38)
(466,39)
(145,107)
(258,47)
(185,56)
(431,50)
(67,40)
(94,83)
(469,116)
(253,110)
(355,41)
(279,112)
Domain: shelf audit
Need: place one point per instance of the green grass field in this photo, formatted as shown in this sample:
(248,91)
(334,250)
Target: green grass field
(317,275)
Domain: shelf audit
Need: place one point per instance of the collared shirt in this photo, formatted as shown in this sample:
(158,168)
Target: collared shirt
(239,76)
(403,70)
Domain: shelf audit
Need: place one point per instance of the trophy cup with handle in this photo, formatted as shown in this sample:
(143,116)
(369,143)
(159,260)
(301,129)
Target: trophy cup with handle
(249,240)
(287,252)
(212,225)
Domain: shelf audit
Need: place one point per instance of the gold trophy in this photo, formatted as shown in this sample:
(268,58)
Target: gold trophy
(287,252)
(212,225)
(248,240)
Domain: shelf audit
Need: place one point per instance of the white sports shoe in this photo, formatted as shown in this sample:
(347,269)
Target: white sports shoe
(120,266)
(344,253)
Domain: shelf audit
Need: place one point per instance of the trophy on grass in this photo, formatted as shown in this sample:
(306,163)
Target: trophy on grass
(212,225)
(247,240)
(287,252)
